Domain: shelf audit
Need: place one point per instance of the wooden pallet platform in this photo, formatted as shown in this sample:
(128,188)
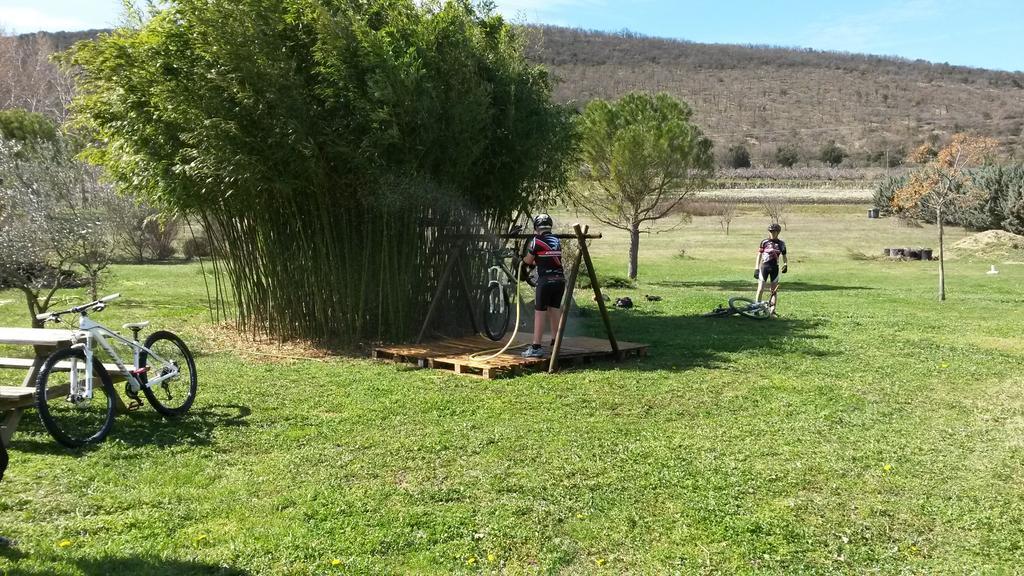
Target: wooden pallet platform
(456,354)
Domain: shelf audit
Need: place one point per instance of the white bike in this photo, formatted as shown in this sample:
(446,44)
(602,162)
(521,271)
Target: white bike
(75,394)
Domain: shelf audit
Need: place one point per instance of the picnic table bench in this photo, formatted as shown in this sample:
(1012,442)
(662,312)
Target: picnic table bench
(14,399)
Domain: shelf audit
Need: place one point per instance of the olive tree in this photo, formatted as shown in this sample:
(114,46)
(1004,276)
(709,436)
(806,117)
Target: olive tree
(53,220)
(641,156)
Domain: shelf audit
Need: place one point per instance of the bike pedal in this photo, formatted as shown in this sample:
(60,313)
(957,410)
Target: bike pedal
(139,371)
(134,405)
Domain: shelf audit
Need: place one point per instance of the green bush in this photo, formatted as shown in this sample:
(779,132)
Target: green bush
(787,156)
(884,193)
(738,156)
(197,247)
(832,154)
(25,126)
(996,204)
(609,281)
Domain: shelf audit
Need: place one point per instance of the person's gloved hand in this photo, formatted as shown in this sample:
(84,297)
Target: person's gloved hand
(757,274)
(524,270)
(785,268)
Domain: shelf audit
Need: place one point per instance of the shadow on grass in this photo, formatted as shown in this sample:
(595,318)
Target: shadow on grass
(111,565)
(745,286)
(681,342)
(144,427)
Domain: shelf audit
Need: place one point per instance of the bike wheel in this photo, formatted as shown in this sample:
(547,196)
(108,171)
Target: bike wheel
(749,308)
(496,312)
(174,396)
(70,418)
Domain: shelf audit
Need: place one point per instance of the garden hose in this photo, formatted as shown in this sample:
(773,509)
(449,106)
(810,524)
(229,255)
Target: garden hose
(515,331)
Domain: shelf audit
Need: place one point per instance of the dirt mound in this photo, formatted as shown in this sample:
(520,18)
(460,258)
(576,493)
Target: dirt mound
(990,244)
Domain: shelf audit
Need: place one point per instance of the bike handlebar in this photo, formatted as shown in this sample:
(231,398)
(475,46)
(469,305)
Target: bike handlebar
(96,305)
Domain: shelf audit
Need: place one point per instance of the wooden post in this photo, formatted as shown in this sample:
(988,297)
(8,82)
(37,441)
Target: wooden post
(452,259)
(570,284)
(469,299)
(597,290)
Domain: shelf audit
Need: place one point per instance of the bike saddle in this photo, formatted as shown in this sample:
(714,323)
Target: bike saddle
(135,325)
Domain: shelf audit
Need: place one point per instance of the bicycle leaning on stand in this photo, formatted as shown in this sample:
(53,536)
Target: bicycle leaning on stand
(75,395)
(499,294)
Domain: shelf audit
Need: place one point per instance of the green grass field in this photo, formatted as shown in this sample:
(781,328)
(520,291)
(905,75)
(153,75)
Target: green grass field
(870,429)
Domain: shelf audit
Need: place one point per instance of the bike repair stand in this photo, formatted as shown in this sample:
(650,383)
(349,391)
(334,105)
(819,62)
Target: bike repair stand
(581,235)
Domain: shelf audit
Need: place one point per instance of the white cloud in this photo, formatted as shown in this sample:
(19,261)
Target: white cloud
(21,19)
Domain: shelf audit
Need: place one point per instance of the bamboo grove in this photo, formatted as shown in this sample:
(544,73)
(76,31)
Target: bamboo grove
(329,147)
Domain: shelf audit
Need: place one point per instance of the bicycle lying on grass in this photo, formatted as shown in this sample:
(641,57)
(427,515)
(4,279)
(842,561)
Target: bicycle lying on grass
(74,392)
(747,307)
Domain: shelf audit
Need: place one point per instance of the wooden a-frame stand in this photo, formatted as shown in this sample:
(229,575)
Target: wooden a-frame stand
(582,257)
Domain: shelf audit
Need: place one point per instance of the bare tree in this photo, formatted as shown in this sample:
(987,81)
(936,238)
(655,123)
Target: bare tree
(775,207)
(30,79)
(726,213)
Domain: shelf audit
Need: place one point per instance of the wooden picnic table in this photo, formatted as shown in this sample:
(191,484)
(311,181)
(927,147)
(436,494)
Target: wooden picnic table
(14,399)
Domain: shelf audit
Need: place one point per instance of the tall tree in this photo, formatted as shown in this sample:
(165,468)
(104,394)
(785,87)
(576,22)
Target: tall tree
(641,156)
(944,184)
(327,145)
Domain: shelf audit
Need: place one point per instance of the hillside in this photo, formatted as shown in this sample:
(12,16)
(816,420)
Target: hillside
(759,96)
(767,96)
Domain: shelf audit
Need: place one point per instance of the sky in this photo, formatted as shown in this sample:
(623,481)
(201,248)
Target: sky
(980,33)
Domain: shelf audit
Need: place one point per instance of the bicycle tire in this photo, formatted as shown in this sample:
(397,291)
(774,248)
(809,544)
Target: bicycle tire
(495,322)
(176,351)
(748,308)
(70,421)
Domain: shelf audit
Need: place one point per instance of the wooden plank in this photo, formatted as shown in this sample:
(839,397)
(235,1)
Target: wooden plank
(35,336)
(455,355)
(26,363)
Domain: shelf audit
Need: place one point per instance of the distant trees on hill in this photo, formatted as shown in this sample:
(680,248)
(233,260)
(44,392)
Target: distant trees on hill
(769,97)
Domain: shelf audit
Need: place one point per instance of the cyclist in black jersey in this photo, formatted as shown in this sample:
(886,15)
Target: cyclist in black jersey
(766,266)
(545,252)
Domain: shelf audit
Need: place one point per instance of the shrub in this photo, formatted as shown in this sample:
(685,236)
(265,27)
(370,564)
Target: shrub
(787,156)
(738,156)
(832,154)
(159,235)
(611,281)
(884,193)
(1002,203)
(196,247)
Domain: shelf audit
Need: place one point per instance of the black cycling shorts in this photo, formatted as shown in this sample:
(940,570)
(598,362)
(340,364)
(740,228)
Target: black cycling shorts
(550,290)
(770,271)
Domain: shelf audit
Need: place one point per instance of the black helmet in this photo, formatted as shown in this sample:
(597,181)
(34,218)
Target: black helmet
(542,221)
(774,227)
